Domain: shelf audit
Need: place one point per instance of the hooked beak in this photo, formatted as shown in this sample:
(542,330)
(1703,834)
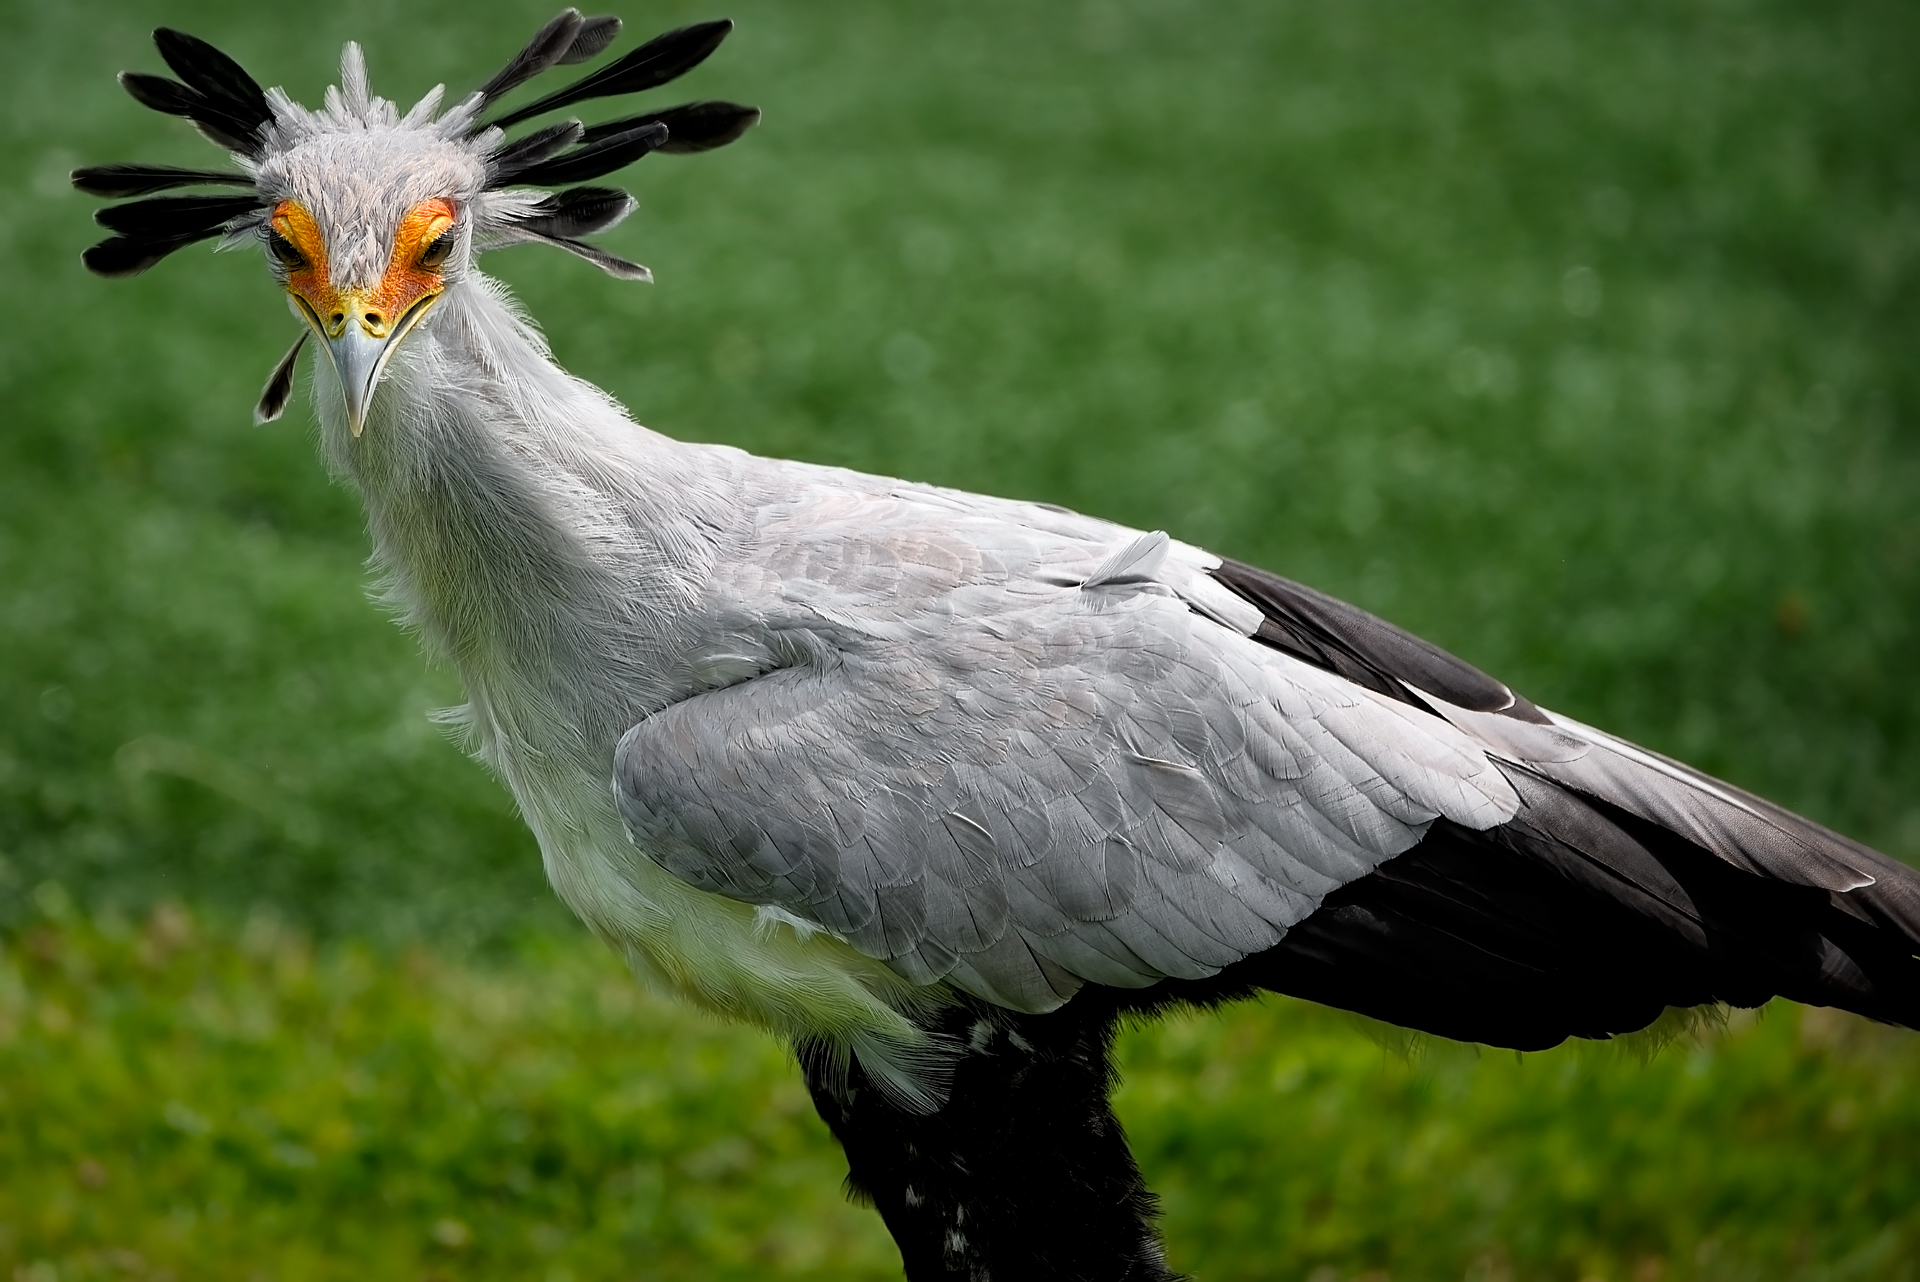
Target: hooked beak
(360,343)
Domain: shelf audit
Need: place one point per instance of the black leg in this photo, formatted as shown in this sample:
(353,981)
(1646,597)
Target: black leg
(1024,1174)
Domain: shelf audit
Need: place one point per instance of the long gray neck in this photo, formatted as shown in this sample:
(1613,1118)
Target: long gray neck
(535,536)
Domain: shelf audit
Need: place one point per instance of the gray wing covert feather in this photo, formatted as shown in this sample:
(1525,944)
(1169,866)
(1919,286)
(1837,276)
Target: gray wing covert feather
(1113,791)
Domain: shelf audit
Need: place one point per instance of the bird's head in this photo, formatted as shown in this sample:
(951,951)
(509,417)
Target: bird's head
(367,216)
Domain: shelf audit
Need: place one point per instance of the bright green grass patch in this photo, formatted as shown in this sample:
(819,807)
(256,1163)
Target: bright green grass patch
(1785,1147)
(248,1106)
(244,1104)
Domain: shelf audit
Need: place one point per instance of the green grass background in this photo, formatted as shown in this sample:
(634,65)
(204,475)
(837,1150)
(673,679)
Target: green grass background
(1576,338)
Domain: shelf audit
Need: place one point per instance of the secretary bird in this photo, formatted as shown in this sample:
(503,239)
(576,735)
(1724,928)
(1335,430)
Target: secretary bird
(939,787)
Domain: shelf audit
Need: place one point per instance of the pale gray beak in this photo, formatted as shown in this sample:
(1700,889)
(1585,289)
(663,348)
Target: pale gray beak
(358,358)
(360,353)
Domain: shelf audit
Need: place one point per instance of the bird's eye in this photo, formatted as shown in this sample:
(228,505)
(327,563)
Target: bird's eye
(283,249)
(436,253)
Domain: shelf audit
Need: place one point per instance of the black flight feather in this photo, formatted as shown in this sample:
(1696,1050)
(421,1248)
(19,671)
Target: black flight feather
(691,126)
(595,159)
(131,255)
(663,58)
(579,211)
(595,34)
(173,217)
(217,78)
(1364,649)
(549,46)
(523,153)
(1544,928)
(117,182)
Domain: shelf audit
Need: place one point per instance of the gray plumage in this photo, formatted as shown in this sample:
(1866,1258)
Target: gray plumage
(950,734)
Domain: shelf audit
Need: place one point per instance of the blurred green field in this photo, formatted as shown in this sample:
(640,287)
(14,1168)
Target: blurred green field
(1577,338)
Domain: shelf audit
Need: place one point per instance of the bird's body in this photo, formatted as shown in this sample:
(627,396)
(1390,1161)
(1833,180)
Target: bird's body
(939,786)
(879,633)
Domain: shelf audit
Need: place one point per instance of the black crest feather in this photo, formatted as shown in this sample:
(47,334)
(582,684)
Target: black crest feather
(218,96)
(615,151)
(549,47)
(612,264)
(579,211)
(129,256)
(691,126)
(595,35)
(273,397)
(524,153)
(542,157)
(215,77)
(229,107)
(175,99)
(171,217)
(117,182)
(152,229)
(663,58)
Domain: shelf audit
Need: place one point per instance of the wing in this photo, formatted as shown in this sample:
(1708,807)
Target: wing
(1626,883)
(1019,760)
(1023,751)
(1738,827)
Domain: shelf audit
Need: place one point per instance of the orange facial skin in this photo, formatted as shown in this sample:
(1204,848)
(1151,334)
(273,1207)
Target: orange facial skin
(408,278)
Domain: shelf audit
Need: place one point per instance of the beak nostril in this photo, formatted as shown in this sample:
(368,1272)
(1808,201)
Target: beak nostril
(373,318)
